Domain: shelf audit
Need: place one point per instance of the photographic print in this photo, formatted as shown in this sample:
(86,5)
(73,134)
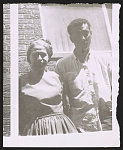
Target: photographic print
(62,77)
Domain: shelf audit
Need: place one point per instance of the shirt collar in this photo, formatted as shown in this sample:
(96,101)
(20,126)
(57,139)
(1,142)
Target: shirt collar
(86,58)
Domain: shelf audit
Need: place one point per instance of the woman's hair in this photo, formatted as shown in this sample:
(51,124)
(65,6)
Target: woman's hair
(43,43)
(78,22)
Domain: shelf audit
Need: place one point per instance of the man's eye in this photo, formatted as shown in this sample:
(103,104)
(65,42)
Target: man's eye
(85,33)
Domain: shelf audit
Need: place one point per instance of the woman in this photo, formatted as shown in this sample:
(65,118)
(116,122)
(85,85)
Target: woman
(40,95)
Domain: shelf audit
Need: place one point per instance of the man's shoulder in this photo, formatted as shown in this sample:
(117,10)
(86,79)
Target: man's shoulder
(101,54)
(103,57)
(65,59)
(63,65)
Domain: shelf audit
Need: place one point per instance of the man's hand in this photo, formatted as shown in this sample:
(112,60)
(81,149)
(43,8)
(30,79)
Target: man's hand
(80,130)
(106,106)
(105,109)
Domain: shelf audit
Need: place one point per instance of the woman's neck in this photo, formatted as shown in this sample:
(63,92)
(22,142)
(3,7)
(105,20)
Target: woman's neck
(35,76)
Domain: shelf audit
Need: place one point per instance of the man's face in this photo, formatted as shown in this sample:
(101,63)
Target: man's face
(81,36)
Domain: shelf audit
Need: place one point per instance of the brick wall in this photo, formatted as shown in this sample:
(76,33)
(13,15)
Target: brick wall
(29,30)
(29,27)
(6,69)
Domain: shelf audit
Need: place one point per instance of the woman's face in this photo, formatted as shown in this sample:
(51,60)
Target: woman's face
(39,58)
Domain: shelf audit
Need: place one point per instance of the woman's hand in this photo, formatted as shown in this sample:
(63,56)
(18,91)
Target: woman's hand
(66,110)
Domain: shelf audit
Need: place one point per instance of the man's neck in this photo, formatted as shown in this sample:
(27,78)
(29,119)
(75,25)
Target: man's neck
(81,54)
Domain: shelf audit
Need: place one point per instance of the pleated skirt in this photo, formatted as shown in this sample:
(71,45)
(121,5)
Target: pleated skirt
(50,124)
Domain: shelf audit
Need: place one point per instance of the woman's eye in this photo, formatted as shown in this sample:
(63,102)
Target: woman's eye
(42,55)
(35,55)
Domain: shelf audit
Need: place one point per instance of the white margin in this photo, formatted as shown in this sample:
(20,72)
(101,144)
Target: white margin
(14,69)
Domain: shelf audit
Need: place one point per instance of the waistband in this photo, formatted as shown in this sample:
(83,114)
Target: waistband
(49,115)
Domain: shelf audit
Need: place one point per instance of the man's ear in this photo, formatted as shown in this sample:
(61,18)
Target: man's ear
(71,38)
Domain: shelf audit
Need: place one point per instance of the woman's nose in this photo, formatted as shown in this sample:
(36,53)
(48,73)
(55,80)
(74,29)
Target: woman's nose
(39,57)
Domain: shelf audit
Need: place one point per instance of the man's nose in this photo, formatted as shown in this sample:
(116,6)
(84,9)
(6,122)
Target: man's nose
(83,38)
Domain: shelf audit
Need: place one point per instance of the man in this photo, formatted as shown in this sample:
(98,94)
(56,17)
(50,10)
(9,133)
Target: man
(87,81)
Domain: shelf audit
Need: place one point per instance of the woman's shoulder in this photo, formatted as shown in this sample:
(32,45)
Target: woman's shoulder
(52,74)
(23,79)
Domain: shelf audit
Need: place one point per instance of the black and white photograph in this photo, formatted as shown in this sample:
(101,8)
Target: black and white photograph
(60,83)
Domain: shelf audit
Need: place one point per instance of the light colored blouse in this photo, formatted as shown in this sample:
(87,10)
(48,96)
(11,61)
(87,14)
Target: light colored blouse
(43,98)
(49,86)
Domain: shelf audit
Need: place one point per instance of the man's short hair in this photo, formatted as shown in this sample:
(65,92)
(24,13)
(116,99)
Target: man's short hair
(75,22)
